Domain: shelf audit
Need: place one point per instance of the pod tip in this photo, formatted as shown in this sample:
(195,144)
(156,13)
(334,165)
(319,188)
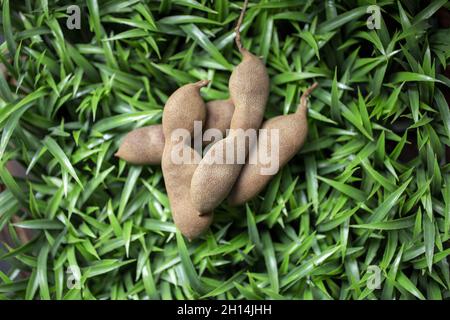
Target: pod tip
(202,83)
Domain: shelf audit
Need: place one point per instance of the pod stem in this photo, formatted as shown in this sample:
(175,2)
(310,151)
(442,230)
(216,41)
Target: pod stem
(238,27)
(201,83)
(304,98)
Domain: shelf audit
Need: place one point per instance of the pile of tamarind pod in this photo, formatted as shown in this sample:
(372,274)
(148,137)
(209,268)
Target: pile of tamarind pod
(192,203)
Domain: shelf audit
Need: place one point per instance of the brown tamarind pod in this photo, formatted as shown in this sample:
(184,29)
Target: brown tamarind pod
(249,90)
(292,130)
(145,145)
(182,109)
(177,178)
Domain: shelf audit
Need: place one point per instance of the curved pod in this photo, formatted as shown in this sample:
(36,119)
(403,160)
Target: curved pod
(292,130)
(249,90)
(183,108)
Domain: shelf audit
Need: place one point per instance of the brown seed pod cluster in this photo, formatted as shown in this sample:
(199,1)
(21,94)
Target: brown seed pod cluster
(196,189)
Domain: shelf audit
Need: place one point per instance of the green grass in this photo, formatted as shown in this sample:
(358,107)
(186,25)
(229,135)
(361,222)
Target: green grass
(371,187)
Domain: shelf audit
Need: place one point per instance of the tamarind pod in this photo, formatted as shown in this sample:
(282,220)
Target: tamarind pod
(182,109)
(292,130)
(249,90)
